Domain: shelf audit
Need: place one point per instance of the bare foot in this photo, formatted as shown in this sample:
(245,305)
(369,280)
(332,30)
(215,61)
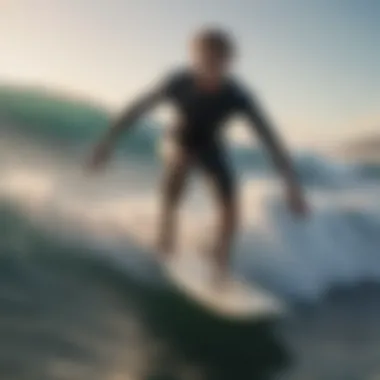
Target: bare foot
(220,274)
(164,248)
(220,267)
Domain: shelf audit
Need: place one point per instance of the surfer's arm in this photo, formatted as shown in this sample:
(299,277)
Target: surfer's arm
(280,155)
(271,141)
(162,91)
(132,113)
(127,119)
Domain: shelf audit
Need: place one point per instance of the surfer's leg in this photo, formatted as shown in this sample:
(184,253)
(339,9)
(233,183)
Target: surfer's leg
(215,164)
(175,174)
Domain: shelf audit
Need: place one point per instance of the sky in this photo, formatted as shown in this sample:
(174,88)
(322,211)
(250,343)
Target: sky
(313,63)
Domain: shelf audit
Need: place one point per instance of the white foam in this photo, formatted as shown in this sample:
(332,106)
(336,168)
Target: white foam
(339,244)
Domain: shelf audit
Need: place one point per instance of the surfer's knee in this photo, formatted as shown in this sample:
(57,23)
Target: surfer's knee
(173,188)
(229,211)
(228,202)
(175,179)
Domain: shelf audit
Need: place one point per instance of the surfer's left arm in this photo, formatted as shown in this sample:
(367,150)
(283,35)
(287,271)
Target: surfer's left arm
(132,113)
(126,120)
(280,155)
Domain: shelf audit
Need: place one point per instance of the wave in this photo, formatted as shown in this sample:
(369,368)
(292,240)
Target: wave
(71,126)
(300,260)
(64,303)
(39,114)
(64,122)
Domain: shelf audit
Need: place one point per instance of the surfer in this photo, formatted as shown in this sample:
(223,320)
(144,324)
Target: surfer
(205,95)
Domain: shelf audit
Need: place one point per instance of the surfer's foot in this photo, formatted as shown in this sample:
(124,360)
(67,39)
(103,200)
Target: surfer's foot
(220,276)
(220,260)
(165,248)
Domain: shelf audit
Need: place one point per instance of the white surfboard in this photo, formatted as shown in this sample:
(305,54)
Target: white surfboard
(233,299)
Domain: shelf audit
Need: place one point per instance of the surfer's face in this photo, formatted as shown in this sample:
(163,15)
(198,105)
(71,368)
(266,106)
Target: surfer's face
(209,64)
(211,56)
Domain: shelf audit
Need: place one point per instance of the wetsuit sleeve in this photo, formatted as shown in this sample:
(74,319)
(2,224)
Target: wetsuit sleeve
(144,103)
(157,94)
(249,107)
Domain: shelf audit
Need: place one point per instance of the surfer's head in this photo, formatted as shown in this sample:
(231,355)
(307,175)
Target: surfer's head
(212,52)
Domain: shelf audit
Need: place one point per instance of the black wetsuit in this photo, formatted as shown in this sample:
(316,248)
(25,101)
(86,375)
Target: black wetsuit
(202,114)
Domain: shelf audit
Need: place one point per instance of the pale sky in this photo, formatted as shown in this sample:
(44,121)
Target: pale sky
(314,63)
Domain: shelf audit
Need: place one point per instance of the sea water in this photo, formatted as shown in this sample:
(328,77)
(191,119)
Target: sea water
(81,297)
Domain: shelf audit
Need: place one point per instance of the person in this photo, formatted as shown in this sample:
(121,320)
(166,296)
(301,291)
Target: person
(205,94)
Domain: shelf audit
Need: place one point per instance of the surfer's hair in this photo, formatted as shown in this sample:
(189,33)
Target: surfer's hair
(216,40)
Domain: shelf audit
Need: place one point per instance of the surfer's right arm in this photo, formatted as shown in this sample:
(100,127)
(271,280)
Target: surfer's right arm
(128,118)
(280,155)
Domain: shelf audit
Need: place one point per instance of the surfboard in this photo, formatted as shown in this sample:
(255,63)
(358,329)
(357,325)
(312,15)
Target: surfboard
(233,298)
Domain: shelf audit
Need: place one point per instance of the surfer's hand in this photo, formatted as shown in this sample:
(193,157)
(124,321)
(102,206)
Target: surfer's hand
(99,156)
(296,202)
